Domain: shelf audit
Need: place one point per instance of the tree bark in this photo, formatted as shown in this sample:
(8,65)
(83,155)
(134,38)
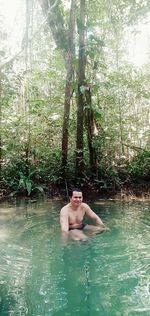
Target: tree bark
(64,40)
(90,125)
(51,10)
(81,99)
(0,125)
(68,87)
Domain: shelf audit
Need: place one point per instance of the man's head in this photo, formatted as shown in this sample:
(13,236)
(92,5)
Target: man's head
(76,197)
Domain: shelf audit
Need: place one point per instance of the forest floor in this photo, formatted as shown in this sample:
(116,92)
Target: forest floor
(138,192)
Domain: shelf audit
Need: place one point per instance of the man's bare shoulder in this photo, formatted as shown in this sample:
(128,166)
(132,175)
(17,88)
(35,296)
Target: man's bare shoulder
(65,209)
(85,206)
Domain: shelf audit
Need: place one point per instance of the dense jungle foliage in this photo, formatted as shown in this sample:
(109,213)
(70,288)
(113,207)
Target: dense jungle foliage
(75,111)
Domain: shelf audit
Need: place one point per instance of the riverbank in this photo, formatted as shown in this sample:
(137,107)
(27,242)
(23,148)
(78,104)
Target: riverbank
(137,192)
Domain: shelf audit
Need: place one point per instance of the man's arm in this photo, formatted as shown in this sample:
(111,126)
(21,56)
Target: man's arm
(92,215)
(64,220)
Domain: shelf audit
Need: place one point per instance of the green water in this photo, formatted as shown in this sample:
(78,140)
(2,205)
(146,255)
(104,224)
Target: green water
(107,275)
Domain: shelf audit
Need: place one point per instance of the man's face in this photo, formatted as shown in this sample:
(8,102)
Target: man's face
(76,198)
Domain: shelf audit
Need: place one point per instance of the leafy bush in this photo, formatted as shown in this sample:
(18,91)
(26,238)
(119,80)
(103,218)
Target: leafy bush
(139,167)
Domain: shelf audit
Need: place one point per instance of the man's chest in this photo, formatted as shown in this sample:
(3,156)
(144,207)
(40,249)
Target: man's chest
(76,216)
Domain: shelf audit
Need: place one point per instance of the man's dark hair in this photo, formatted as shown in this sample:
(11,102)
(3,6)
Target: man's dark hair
(74,189)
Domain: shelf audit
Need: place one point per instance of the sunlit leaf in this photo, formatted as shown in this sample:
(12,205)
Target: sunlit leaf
(28,186)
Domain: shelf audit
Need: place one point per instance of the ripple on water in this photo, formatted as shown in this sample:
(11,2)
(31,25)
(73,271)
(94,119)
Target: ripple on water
(108,275)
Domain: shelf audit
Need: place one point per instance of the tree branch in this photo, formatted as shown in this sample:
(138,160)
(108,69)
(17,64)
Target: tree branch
(134,147)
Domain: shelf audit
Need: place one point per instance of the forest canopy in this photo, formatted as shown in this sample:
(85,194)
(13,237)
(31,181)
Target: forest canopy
(75,108)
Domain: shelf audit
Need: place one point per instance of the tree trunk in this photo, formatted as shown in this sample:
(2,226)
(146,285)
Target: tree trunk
(81,100)
(54,17)
(0,125)
(65,43)
(68,88)
(90,125)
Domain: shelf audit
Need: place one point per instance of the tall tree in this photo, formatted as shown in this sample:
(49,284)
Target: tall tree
(85,111)
(68,88)
(64,39)
(0,125)
(81,85)
(91,131)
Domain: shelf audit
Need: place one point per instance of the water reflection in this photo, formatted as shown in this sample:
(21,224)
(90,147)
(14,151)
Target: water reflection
(107,275)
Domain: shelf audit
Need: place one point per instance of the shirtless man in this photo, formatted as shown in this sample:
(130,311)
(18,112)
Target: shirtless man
(71,218)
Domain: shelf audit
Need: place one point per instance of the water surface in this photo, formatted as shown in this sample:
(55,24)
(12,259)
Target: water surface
(41,276)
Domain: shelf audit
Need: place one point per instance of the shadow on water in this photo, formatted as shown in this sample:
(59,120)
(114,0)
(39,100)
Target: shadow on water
(109,275)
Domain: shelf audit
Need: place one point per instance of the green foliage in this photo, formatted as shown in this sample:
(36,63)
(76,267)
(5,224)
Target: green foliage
(80,26)
(25,184)
(14,177)
(139,167)
(32,103)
